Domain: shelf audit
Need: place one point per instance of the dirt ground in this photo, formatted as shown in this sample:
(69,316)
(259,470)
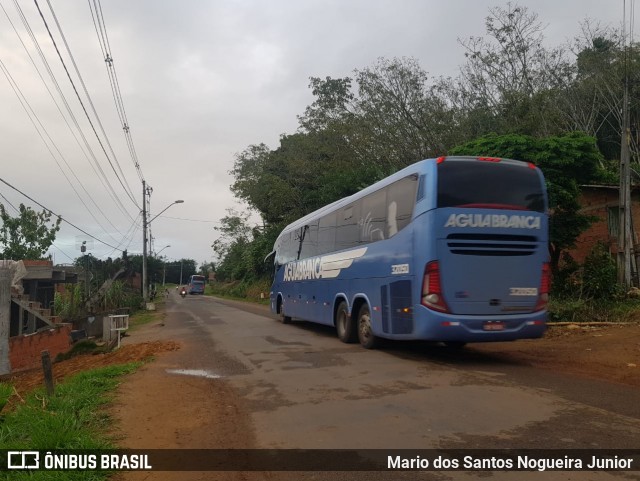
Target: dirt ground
(610,353)
(150,411)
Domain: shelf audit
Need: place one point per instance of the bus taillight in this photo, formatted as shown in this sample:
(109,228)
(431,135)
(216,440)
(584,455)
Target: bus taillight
(545,287)
(432,289)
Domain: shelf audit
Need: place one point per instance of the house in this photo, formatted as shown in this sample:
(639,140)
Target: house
(602,201)
(32,327)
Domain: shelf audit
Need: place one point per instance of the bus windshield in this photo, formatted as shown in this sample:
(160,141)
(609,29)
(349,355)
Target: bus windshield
(503,185)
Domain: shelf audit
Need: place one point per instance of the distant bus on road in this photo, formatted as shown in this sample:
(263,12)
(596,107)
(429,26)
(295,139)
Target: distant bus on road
(196,284)
(453,249)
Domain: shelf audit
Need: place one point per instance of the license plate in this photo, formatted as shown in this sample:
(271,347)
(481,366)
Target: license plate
(493,326)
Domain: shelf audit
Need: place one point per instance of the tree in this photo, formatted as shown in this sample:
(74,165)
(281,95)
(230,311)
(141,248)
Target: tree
(510,76)
(567,162)
(29,235)
(593,99)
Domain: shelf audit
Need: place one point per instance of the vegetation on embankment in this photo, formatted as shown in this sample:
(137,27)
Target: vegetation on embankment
(251,291)
(73,418)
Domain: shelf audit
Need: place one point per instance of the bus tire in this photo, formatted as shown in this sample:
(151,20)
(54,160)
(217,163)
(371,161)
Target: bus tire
(284,319)
(345,326)
(365,333)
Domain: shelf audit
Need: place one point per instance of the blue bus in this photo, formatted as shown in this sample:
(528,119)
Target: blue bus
(196,284)
(453,249)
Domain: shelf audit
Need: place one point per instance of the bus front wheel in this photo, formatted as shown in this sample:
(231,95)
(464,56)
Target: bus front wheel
(365,333)
(284,319)
(344,324)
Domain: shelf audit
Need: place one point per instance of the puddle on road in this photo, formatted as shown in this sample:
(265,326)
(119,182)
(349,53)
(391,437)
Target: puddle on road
(194,372)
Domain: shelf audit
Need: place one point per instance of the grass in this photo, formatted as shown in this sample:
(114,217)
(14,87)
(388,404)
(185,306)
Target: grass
(591,310)
(73,418)
(242,291)
(142,317)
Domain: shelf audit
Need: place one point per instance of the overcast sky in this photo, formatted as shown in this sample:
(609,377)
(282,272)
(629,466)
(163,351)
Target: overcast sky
(200,81)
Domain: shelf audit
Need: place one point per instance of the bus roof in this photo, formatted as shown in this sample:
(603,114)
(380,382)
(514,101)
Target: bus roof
(416,168)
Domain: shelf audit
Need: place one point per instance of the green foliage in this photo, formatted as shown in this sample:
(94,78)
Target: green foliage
(6,391)
(246,290)
(600,278)
(27,236)
(566,279)
(80,347)
(74,418)
(593,310)
(68,304)
(595,278)
(537,101)
(120,296)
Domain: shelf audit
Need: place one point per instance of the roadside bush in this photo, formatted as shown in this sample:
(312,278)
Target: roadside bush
(249,290)
(566,280)
(68,304)
(599,276)
(589,292)
(595,278)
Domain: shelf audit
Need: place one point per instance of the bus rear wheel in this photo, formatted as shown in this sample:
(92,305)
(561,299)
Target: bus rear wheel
(345,326)
(365,333)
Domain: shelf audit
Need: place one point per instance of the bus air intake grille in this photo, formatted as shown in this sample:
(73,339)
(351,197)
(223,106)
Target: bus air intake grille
(492,244)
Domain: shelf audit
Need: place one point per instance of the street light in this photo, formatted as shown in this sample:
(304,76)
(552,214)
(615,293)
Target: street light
(164,264)
(145,226)
(180,201)
(162,248)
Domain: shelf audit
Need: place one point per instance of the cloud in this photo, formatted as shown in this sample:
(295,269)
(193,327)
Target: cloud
(201,81)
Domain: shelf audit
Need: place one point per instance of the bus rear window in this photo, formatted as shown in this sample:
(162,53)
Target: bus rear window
(489,185)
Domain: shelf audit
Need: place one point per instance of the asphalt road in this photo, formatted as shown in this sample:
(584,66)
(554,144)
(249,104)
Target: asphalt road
(305,389)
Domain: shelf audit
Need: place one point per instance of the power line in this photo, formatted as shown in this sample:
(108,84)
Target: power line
(57,215)
(31,114)
(43,58)
(190,220)
(64,39)
(82,103)
(103,39)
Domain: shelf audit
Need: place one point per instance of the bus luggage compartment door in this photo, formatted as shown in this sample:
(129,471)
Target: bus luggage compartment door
(397,315)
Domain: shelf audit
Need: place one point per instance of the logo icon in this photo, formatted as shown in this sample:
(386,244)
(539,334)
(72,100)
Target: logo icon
(23,460)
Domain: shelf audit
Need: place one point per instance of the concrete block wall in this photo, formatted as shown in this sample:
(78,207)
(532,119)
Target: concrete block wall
(25,351)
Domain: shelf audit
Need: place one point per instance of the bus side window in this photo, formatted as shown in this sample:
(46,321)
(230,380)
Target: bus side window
(310,242)
(348,231)
(401,200)
(374,217)
(327,233)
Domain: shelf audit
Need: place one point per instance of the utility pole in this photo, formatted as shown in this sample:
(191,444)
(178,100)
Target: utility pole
(145,294)
(624,234)
(624,230)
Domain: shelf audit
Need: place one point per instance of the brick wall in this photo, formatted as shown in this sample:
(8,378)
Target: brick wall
(596,201)
(25,351)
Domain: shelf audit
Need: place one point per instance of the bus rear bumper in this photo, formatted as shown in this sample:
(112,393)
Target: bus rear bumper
(446,327)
